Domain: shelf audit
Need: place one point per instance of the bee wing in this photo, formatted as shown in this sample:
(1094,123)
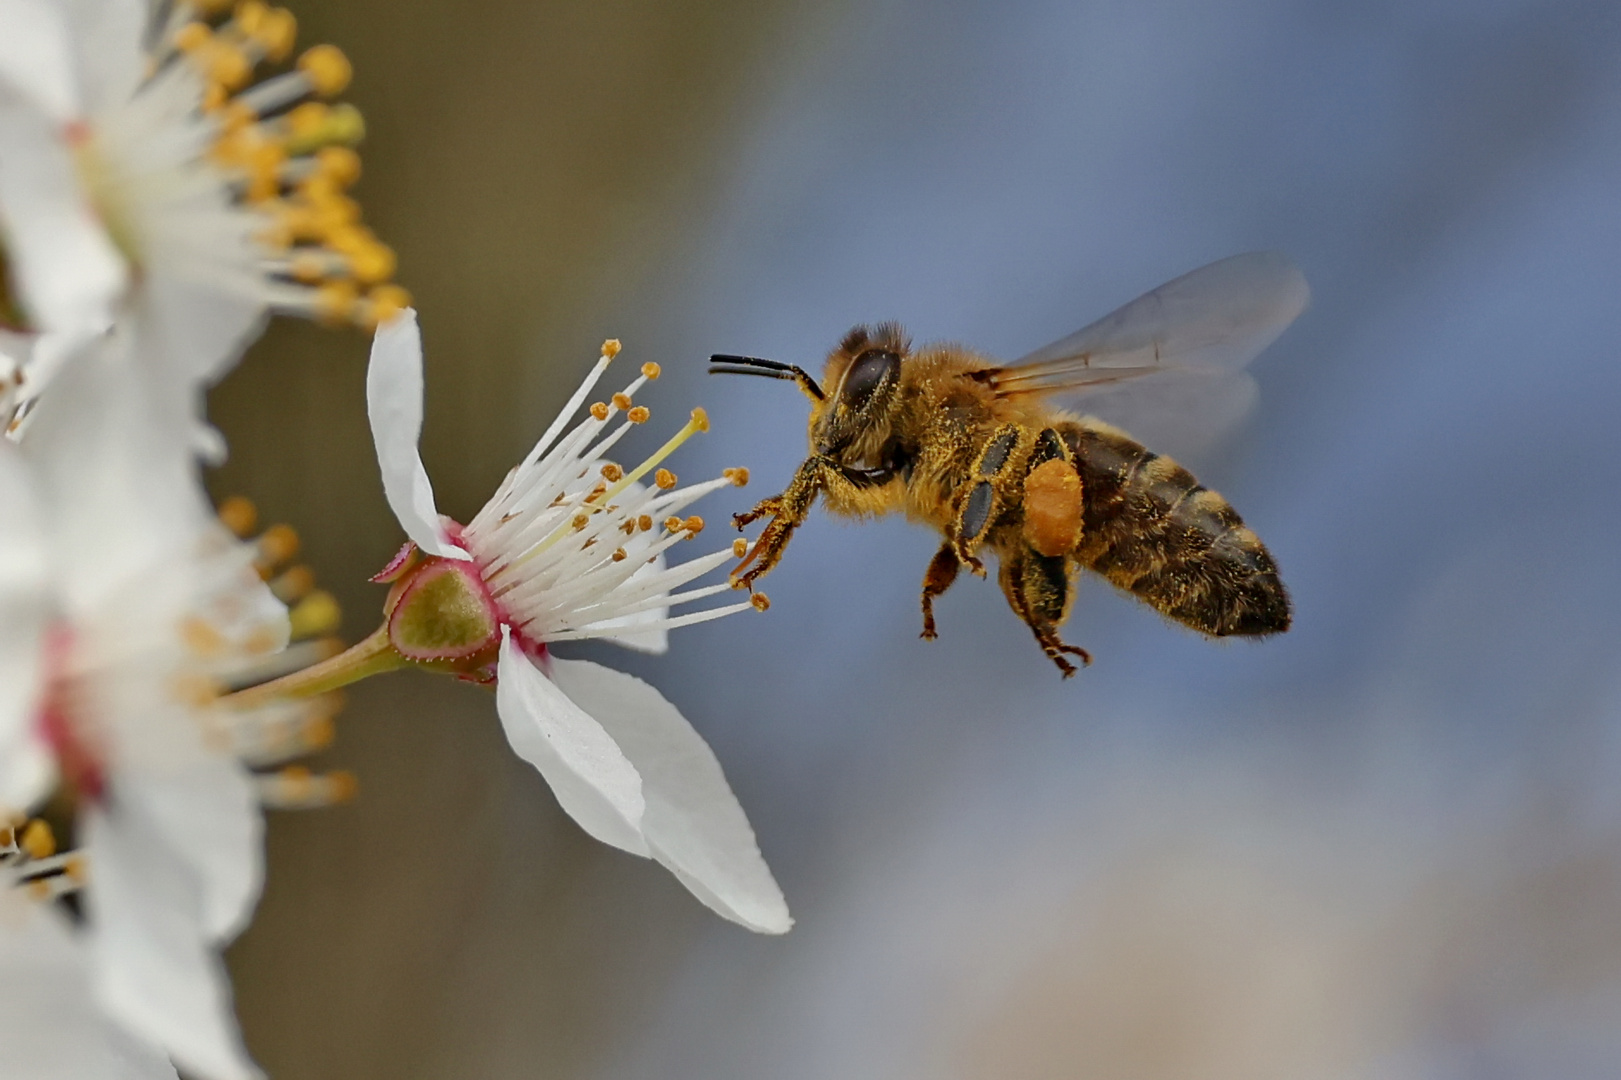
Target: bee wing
(1168,366)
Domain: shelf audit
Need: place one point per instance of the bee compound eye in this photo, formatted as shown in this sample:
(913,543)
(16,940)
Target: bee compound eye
(868,370)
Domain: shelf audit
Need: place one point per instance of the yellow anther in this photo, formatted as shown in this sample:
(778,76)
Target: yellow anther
(600,410)
(74,869)
(226,64)
(610,348)
(38,840)
(621,401)
(335,301)
(293,585)
(619,555)
(672,524)
(327,68)
(387,301)
(319,732)
(215,98)
(340,164)
(277,34)
(239,515)
(8,837)
(250,17)
(760,601)
(740,548)
(278,544)
(316,615)
(351,238)
(665,479)
(200,638)
(645,523)
(263,640)
(738,476)
(700,420)
(597,492)
(638,414)
(343,785)
(39,890)
(611,472)
(373,263)
(650,370)
(694,525)
(234,116)
(192,36)
(580,521)
(308,267)
(195,690)
(306,120)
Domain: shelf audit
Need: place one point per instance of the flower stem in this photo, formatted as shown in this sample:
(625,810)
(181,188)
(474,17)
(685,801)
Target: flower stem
(372,656)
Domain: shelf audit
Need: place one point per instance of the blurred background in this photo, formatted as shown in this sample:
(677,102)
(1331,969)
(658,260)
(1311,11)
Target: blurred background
(1387,844)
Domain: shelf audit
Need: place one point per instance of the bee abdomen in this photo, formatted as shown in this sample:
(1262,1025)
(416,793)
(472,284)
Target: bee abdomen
(1152,529)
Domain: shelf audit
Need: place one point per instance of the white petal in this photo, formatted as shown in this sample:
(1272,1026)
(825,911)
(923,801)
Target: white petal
(24,763)
(67,270)
(394,405)
(111,59)
(50,1029)
(36,57)
(155,971)
(590,775)
(693,821)
(117,483)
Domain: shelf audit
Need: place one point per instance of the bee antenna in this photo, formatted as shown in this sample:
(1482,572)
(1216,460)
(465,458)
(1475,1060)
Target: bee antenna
(727,364)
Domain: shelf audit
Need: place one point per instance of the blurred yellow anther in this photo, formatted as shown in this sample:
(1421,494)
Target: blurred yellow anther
(600,410)
(344,785)
(580,521)
(8,838)
(700,420)
(611,472)
(373,263)
(313,125)
(387,301)
(740,548)
(293,585)
(234,116)
(304,121)
(619,555)
(327,68)
(665,479)
(250,16)
(610,348)
(645,523)
(195,690)
(650,370)
(38,840)
(74,868)
(315,615)
(226,64)
(308,267)
(239,515)
(621,401)
(263,640)
(340,164)
(760,601)
(277,33)
(335,301)
(278,544)
(192,36)
(200,637)
(738,476)
(638,414)
(672,524)
(694,525)
(319,732)
(215,98)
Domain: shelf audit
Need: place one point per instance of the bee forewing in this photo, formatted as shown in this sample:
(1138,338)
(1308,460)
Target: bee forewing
(1216,318)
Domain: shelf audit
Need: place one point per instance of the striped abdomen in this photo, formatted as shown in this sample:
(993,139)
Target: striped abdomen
(1151,529)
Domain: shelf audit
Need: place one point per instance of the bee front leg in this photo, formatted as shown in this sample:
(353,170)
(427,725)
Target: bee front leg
(786,511)
(936,580)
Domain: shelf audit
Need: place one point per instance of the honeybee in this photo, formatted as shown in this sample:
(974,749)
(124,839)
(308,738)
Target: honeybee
(977,450)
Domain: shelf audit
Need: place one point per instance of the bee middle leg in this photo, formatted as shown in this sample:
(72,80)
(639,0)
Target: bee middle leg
(847,490)
(1039,589)
(937,579)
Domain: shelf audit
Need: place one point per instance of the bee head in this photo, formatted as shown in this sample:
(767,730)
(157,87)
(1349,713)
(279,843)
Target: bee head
(863,374)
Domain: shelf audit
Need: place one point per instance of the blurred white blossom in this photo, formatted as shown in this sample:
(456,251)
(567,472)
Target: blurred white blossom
(127,609)
(143,179)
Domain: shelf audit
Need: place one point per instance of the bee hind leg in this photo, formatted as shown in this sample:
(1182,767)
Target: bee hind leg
(1039,589)
(937,579)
